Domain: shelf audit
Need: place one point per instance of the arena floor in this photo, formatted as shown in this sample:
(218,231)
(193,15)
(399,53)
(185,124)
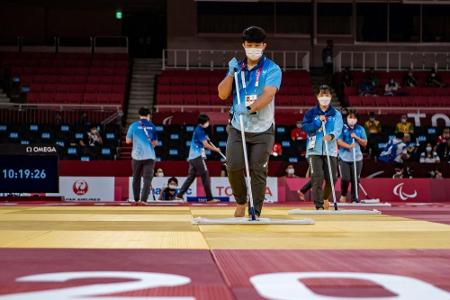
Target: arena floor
(51,251)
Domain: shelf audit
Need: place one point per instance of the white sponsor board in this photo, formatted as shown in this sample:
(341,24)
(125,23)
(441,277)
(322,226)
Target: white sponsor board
(86,188)
(221,188)
(160,183)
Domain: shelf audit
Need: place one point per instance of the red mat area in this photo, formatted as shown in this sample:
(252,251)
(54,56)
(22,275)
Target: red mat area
(206,281)
(131,274)
(437,212)
(429,266)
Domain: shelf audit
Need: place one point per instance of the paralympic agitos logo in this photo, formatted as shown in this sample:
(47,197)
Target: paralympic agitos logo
(398,191)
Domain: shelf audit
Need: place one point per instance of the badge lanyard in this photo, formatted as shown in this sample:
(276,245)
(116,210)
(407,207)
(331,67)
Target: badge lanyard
(258,75)
(146,132)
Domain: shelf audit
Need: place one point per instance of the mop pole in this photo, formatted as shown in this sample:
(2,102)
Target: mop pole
(244,147)
(329,168)
(355,173)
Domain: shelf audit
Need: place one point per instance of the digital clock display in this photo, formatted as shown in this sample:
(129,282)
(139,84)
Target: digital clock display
(21,173)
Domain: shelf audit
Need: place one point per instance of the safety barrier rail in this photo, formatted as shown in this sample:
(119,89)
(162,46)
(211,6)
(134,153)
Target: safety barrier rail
(218,59)
(392,60)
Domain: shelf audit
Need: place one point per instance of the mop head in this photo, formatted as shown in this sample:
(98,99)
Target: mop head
(370,201)
(366,204)
(334,212)
(246,221)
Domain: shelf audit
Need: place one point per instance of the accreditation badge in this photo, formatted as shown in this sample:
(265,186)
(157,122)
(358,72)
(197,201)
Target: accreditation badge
(250,99)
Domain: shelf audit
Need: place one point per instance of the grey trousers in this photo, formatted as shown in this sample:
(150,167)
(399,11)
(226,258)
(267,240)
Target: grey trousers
(197,166)
(259,147)
(319,173)
(348,177)
(144,168)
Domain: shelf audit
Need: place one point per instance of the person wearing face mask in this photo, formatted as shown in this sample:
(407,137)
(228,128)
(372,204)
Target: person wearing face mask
(443,137)
(298,137)
(391,88)
(410,80)
(373,128)
(434,80)
(290,171)
(352,138)
(170,192)
(404,126)
(159,172)
(259,79)
(322,114)
(142,134)
(196,159)
(429,156)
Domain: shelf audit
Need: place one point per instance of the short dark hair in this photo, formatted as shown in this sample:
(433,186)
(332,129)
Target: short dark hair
(325,88)
(144,111)
(353,114)
(172,179)
(254,34)
(202,119)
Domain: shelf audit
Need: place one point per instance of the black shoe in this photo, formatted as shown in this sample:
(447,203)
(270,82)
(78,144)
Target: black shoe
(320,208)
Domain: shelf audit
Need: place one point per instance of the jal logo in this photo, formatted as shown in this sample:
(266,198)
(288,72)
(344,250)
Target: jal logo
(398,191)
(80,187)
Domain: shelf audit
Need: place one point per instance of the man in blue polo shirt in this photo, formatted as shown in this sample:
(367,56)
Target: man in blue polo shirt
(196,159)
(142,134)
(259,79)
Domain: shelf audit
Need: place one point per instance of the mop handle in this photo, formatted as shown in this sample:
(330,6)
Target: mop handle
(244,148)
(220,152)
(354,169)
(329,168)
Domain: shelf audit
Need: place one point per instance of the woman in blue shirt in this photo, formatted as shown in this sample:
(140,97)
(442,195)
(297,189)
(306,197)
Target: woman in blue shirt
(353,137)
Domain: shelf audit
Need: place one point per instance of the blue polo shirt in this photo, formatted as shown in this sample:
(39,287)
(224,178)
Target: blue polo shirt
(269,75)
(142,147)
(198,137)
(347,154)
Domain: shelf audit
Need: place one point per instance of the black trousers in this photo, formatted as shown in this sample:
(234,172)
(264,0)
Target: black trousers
(259,147)
(142,168)
(197,166)
(319,173)
(348,177)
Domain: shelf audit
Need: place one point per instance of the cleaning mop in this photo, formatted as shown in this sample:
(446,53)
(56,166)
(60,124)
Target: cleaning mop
(364,202)
(253,219)
(335,205)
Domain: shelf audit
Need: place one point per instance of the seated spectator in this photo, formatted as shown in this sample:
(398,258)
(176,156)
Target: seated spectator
(170,192)
(410,80)
(373,78)
(391,88)
(443,137)
(277,150)
(298,137)
(347,77)
(290,171)
(404,126)
(159,172)
(429,156)
(443,151)
(436,174)
(92,142)
(434,80)
(398,173)
(366,89)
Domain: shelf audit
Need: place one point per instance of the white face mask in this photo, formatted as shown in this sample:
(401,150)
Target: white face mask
(351,122)
(206,125)
(254,53)
(172,186)
(290,171)
(429,149)
(325,101)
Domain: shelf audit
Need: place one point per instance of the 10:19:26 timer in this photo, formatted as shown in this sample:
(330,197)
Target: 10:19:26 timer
(23,174)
